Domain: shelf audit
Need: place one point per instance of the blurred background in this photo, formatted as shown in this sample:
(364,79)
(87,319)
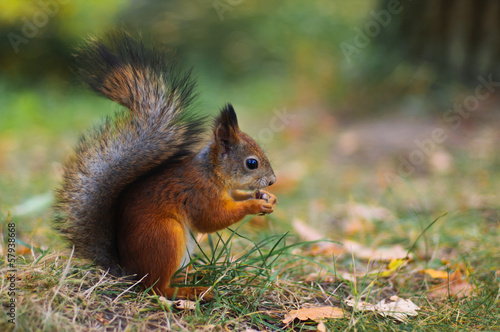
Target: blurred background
(358,103)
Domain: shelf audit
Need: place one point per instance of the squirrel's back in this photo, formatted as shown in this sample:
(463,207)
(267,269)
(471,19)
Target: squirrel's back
(157,129)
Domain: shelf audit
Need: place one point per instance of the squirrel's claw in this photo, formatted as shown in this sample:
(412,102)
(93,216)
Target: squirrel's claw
(267,196)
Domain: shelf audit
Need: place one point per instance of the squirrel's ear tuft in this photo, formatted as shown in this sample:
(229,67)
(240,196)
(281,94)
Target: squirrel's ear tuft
(226,127)
(228,117)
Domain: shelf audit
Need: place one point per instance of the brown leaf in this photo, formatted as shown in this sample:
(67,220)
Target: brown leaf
(316,313)
(22,250)
(454,286)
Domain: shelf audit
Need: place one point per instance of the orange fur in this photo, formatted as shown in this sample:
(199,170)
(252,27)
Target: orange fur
(158,212)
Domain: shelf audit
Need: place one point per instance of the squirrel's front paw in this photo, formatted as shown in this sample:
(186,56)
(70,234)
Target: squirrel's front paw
(267,196)
(260,206)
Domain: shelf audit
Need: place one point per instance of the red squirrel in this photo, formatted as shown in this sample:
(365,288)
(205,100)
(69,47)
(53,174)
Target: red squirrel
(138,187)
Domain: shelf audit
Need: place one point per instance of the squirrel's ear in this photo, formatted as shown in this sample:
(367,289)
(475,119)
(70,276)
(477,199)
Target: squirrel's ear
(226,127)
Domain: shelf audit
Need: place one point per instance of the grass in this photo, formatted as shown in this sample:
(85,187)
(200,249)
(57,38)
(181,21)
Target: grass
(259,269)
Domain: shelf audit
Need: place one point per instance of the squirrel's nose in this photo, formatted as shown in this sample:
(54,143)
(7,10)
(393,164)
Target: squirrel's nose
(272,180)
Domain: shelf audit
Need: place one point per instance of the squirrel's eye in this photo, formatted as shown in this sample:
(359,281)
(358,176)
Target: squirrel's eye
(252,163)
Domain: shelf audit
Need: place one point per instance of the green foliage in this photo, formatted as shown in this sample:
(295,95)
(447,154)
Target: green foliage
(286,49)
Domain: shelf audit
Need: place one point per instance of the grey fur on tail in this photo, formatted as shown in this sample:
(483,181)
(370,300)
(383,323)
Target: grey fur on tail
(157,129)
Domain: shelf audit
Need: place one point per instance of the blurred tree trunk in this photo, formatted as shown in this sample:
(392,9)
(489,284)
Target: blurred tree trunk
(461,38)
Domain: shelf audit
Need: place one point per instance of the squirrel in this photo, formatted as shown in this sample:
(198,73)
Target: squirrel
(139,187)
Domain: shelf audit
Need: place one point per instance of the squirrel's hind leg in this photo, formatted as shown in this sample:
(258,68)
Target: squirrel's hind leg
(168,235)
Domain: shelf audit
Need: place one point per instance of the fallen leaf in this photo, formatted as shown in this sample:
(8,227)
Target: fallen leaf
(454,286)
(23,250)
(435,273)
(315,313)
(393,266)
(396,263)
(398,308)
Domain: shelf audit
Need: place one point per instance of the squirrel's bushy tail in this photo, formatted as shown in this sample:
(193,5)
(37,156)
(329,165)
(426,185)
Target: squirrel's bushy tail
(158,128)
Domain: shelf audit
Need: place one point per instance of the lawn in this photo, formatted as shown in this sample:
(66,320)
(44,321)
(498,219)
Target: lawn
(360,219)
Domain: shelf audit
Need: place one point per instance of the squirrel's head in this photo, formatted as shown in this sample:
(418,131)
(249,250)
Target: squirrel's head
(240,162)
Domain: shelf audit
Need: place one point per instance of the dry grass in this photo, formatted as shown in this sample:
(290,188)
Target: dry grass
(254,289)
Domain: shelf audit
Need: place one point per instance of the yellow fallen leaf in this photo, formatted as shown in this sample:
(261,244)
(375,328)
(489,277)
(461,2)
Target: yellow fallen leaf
(436,274)
(315,313)
(396,263)
(393,266)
